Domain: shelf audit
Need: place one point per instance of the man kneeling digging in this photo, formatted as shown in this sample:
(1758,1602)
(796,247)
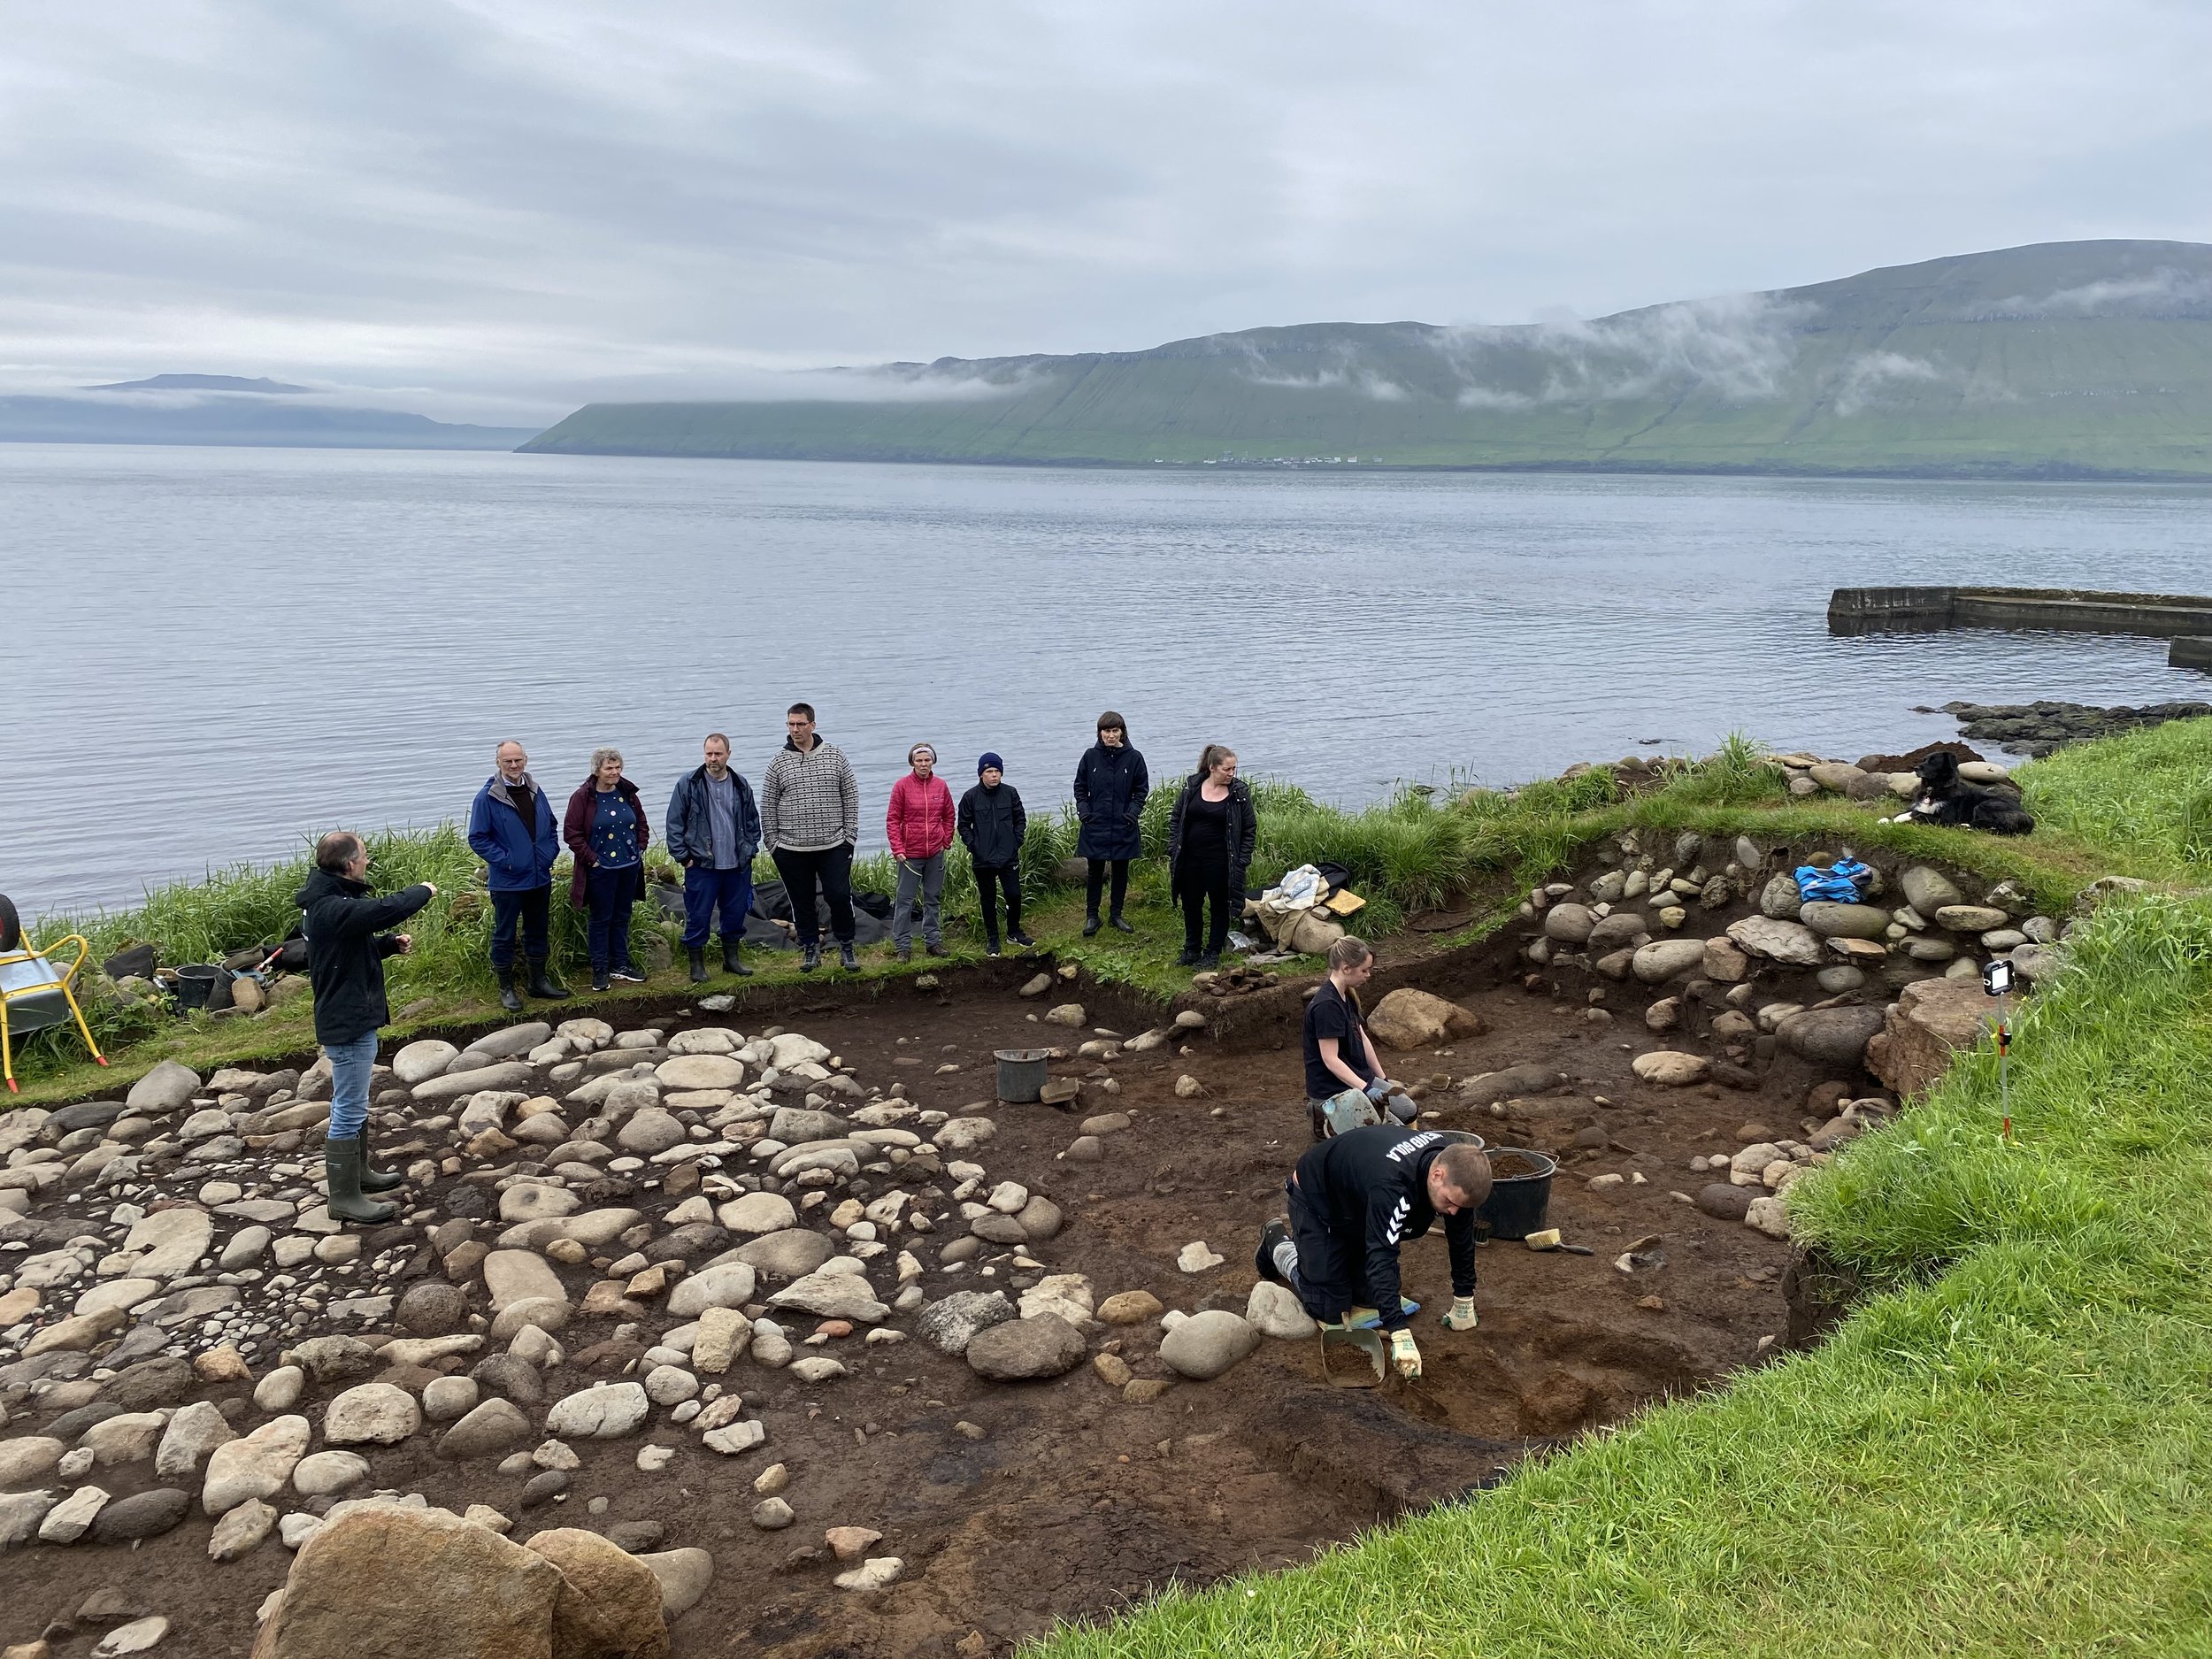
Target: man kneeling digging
(1354,1201)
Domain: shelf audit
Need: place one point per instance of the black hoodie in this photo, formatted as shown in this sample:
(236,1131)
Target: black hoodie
(1371,1185)
(346,948)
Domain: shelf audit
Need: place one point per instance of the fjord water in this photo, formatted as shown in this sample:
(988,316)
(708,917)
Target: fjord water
(211,655)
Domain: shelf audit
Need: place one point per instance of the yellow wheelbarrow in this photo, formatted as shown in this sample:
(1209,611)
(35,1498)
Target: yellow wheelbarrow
(35,992)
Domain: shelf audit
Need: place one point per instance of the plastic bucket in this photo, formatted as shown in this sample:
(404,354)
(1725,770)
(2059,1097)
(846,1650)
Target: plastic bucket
(195,983)
(1516,1203)
(1021,1073)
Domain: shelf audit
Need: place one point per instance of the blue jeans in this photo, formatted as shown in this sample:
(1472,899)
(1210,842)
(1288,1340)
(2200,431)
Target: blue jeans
(349,1066)
(707,891)
(609,893)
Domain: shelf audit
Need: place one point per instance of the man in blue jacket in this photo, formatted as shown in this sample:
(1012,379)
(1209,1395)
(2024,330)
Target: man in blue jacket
(714,833)
(511,829)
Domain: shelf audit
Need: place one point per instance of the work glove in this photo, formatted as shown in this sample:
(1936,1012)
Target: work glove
(1405,1355)
(1377,1088)
(1461,1316)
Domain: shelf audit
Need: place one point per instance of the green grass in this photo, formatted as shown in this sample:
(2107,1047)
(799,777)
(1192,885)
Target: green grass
(2145,797)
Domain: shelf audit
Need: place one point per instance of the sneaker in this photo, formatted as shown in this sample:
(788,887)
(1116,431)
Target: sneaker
(598,979)
(1272,1236)
(811,959)
(904,952)
(1210,959)
(990,950)
(628,974)
(1119,926)
(846,959)
(1019,938)
(1186,959)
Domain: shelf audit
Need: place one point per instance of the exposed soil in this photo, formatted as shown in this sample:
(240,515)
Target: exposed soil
(1062,1501)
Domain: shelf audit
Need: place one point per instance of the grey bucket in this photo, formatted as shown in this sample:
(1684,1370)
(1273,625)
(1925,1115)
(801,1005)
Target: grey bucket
(1021,1074)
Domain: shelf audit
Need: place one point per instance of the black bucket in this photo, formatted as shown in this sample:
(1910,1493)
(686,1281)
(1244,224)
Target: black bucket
(195,983)
(1021,1074)
(1516,1203)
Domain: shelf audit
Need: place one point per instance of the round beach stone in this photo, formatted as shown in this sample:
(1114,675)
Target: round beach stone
(759,1213)
(1207,1344)
(374,1414)
(1019,1350)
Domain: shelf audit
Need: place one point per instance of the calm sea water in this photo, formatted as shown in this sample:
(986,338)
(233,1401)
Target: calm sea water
(211,655)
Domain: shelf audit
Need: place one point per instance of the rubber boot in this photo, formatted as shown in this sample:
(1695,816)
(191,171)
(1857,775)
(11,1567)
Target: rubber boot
(1118,924)
(508,1000)
(540,986)
(731,963)
(341,1161)
(373,1179)
(698,965)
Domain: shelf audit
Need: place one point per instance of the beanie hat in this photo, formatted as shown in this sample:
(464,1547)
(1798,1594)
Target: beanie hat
(989,762)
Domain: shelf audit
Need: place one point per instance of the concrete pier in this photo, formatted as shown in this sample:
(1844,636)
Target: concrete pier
(1853,611)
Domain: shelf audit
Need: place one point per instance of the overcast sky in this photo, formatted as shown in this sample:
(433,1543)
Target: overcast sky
(494,209)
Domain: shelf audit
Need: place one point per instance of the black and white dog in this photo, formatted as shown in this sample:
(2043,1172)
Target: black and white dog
(1946,798)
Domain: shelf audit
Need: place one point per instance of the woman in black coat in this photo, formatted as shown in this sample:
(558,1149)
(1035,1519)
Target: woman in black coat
(1110,784)
(1209,842)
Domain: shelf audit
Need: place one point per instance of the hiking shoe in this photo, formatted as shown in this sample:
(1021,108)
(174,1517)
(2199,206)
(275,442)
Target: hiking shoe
(811,959)
(904,952)
(1019,938)
(846,959)
(937,949)
(1210,960)
(629,975)
(1186,959)
(1272,1236)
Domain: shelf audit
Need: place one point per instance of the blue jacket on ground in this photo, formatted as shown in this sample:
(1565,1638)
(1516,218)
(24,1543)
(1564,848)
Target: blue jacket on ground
(691,822)
(520,856)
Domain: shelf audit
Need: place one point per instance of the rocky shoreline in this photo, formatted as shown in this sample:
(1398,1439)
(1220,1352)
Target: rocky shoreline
(2037,729)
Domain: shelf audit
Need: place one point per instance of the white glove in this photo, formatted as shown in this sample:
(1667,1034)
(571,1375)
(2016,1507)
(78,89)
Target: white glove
(1461,1316)
(1405,1354)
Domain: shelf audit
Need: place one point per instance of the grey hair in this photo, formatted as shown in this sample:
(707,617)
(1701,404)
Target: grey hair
(601,756)
(335,854)
(503,742)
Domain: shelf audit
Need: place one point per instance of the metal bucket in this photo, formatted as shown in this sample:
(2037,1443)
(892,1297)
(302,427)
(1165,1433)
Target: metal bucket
(1021,1074)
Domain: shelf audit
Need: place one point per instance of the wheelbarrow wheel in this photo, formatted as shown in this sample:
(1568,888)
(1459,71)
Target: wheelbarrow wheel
(10,926)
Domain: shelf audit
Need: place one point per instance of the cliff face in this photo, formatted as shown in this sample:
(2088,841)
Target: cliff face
(2065,359)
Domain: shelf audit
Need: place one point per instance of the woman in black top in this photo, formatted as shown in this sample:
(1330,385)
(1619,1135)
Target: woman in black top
(1209,843)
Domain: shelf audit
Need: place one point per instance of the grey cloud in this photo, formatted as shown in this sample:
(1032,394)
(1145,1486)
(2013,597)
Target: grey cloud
(527,204)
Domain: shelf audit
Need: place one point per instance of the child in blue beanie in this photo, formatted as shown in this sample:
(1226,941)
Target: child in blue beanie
(991,825)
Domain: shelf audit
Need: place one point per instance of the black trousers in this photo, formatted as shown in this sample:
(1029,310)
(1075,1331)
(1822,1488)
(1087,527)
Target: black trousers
(1199,880)
(1096,882)
(831,870)
(1331,1275)
(990,880)
(530,908)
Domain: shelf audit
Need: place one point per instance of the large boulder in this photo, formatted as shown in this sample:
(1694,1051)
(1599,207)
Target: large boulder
(609,1604)
(1570,924)
(419,1062)
(371,1414)
(1020,1350)
(255,1465)
(1621,928)
(1492,1086)
(1407,1018)
(169,1085)
(1931,1021)
(729,1284)
(1666,959)
(1207,1344)
(430,1586)
(951,1323)
(1670,1068)
(1273,1310)
(503,1077)
(701,1071)
(1830,1036)
(1793,944)
(1833,920)
(168,1242)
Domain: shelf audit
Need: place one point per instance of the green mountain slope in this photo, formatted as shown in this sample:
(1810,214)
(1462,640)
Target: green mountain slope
(2064,359)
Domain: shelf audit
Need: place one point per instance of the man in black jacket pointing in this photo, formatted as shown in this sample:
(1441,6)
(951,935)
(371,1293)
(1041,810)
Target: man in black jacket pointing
(1354,1201)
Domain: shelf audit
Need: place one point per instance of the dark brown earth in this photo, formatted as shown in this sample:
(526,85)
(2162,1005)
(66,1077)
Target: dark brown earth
(1063,1501)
